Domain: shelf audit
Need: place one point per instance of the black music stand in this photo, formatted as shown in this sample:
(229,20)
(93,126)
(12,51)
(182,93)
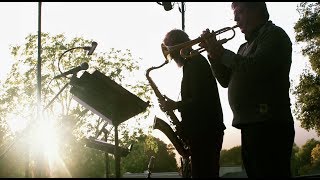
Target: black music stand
(108,100)
(106,147)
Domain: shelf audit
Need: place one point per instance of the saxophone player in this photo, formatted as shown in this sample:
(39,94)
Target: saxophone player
(200,108)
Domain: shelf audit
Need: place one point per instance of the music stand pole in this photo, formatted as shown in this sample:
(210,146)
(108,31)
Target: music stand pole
(106,156)
(116,154)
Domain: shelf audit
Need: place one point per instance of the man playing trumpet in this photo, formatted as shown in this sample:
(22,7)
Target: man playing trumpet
(200,108)
(258,84)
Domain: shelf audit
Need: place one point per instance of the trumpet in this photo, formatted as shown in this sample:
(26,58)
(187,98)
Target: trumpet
(182,48)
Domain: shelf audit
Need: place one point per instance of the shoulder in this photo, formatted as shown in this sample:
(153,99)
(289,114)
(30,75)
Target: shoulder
(274,32)
(275,29)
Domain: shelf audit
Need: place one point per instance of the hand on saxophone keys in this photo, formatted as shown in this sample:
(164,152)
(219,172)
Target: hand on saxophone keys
(168,104)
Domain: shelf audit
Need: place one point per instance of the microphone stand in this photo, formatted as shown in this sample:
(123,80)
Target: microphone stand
(150,166)
(85,48)
(56,95)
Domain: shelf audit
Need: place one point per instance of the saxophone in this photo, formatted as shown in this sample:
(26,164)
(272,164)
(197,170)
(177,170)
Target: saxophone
(176,141)
(175,137)
(161,99)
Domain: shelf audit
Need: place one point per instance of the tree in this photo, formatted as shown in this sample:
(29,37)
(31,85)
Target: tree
(231,157)
(304,156)
(315,159)
(307,106)
(12,165)
(294,160)
(70,120)
(145,146)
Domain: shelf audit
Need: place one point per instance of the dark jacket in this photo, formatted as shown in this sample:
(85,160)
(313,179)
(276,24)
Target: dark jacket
(200,105)
(257,77)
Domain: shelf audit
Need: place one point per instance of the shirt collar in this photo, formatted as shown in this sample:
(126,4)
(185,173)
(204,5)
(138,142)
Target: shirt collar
(255,33)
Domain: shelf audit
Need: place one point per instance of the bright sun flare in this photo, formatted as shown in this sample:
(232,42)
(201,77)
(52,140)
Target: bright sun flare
(16,123)
(46,138)
(42,138)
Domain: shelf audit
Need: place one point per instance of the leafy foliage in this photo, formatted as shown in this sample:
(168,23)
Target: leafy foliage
(231,157)
(18,98)
(304,156)
(145,147)
(307,107)
(295,160)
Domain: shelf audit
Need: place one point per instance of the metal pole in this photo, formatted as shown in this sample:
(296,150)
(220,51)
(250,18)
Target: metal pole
(182,13)
(39,61)
(106,157)
(116,153)
(40,159)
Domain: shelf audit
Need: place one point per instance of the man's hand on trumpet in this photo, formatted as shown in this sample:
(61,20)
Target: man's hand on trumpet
(213,47)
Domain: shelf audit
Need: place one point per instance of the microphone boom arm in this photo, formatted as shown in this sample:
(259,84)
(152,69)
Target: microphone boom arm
(83,66)
(87,48)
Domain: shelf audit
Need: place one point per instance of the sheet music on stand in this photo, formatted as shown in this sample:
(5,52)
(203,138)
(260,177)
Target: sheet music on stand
(106,98)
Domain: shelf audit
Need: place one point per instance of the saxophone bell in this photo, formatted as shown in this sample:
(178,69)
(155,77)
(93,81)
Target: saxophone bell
(177,142)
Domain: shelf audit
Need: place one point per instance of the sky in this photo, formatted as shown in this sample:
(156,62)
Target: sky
(140,27)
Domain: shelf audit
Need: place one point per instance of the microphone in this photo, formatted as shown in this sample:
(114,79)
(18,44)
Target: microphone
(167,6)
(83,66)
(92,48)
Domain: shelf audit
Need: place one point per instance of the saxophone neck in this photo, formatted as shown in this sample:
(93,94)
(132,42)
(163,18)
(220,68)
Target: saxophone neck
(152,84)
(156,67)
